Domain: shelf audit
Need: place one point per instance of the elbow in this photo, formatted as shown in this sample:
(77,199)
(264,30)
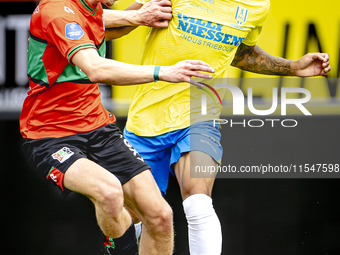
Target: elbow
(238,63)
(97,76)
(94,71)
(94,76)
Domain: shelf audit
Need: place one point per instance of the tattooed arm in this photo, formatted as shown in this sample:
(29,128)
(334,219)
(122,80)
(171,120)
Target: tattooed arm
(256,60)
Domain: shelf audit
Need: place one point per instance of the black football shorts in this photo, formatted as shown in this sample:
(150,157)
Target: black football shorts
(106,146)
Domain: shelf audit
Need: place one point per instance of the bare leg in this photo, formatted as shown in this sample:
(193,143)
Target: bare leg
(104,190)
(190,186)
(142,195)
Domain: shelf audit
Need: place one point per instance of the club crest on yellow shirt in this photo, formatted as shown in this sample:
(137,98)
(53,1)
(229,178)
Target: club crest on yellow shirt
(241,15)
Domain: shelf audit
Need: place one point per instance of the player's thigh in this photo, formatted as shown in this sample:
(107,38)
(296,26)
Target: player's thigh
(143,196)
(90,179)
(194,157)
(189,181)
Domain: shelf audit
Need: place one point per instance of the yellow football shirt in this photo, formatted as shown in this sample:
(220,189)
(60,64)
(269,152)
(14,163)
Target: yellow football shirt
(207,30)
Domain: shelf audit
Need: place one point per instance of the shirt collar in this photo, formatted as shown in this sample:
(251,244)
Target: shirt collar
(86,7)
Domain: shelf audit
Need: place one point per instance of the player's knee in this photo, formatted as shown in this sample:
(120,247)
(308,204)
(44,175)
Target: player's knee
(187,190)
(166,216)
(163,222)
(160,220)
(203,186)
(110,198)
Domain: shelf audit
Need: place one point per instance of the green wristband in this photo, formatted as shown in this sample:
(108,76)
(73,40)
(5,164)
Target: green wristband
(156,73)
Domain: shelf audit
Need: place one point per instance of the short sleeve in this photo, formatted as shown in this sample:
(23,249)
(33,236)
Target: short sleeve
(66,32)
(254,34)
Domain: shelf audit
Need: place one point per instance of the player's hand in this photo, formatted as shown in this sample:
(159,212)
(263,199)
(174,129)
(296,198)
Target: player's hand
(312,64)
(184,70)
(155,13)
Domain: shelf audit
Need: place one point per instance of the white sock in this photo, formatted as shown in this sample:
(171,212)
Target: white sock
(204,228)
(138,229)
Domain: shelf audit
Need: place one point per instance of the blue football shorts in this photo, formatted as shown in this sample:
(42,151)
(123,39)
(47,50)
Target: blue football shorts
(163,151)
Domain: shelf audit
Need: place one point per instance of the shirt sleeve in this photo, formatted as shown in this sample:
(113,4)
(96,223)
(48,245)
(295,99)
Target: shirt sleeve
(66,32)
(254,34)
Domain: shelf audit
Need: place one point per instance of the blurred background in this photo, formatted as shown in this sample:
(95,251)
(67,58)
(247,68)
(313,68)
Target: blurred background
(258,216)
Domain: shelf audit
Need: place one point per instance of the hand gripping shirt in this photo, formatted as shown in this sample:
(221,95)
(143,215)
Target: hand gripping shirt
(61,100)
(207,30)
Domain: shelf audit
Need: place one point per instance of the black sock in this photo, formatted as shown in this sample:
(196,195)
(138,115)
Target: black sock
(124,245)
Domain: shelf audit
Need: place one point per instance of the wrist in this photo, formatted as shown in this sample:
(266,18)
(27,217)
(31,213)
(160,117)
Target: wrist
(294,68)
(163,73)
(135,19)
(156,73)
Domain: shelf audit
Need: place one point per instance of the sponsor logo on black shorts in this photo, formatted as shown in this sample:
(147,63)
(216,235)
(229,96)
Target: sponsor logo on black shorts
(133,150)
(63,154)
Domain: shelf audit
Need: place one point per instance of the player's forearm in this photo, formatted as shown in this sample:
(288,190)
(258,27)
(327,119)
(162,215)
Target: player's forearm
(101,70)
(256,60)
(129,17)
(120,23)
(117,32)
(111,72)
